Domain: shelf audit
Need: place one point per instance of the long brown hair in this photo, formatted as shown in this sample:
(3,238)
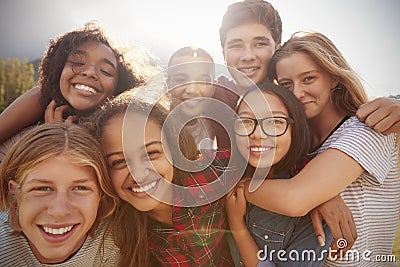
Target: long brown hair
(130,225)
(349,94)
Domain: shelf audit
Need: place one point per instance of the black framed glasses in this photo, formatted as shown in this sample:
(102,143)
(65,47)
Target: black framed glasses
(271,126)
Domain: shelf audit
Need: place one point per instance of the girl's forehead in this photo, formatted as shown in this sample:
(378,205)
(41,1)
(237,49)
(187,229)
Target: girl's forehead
(261,102)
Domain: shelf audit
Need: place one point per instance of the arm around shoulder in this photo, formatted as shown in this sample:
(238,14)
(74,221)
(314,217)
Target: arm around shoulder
(322,178)
(382,114)
(26,110)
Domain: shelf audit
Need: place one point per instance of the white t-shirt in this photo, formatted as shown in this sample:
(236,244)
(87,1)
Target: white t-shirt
(15,250)
(374,197)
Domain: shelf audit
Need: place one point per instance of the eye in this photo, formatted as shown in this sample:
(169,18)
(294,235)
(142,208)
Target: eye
(278,121)
(81,188)
(42,188)
(234,45)
(117,163)
(261,44)
(153,154)
(308,78)
(246,120)
(287,85)
(107,73)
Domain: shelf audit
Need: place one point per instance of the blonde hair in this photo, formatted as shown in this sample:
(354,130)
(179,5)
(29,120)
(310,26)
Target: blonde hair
(47,141)
(349,94)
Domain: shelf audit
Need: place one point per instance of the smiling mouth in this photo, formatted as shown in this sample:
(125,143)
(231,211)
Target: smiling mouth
(145,188)
(248,70)
(57,231)
(85,88)
(260,149)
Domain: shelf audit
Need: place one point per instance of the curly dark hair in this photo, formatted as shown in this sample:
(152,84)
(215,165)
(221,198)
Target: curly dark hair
(60,48)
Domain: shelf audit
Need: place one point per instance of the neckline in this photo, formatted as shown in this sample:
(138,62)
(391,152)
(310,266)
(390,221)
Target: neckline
(329,135)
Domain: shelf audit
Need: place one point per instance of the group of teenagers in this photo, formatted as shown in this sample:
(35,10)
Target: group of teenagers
(89,163)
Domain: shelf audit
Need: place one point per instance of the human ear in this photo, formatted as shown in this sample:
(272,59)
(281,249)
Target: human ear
(334,82)
(12,186)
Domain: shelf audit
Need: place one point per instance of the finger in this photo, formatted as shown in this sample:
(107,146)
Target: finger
(353,227)
(59,112)
(240,193)
(347,240)
(49,112)
(336,231)
(395,128)
(71,119)
(318,228)
(366,109)
(231,194)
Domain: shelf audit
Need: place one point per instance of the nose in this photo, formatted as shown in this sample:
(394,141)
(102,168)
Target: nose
(191,88)
(248,54)
(258,133)
(61,205)
(89,71)
(140,171)
(298,91)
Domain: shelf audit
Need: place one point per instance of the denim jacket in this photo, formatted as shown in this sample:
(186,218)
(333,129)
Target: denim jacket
(287,241)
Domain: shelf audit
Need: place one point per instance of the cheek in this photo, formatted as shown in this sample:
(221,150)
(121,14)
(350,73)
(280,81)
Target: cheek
(116,180)
(64,81)
(231,57)
(165,169)
(242,143)
(110,86)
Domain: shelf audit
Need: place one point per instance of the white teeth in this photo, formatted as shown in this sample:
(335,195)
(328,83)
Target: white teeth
(248,70)
(259,149)
(57,231)
(144,188)
(85,88)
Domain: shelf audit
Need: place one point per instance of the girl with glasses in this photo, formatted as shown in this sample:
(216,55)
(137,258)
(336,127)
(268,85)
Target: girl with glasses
(272,136)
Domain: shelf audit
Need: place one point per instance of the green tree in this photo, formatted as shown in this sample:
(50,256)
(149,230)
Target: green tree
(16,78)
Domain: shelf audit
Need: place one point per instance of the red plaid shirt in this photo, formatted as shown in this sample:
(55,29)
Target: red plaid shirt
(197,237)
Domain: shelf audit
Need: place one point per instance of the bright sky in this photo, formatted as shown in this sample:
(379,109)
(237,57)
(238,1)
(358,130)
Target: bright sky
(364,30)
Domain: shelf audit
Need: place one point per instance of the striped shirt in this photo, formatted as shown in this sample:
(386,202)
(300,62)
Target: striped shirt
(374,197)
(15,250)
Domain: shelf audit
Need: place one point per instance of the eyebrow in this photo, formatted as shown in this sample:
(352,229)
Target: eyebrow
(261,38)
(45,181)
(274,113)
(234,41)
(105,60)
(258,38)
(38,180)
(153,143)
(114,153)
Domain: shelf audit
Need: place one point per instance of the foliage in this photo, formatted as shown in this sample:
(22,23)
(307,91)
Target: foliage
(16,77)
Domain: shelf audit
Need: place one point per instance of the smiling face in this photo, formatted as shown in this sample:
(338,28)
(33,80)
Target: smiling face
(58,204)
(311,85)
(248,48)
(189,79)
(151,170)
(263,151)
(89,76)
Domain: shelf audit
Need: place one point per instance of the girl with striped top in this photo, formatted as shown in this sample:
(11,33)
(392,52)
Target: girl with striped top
(351,159)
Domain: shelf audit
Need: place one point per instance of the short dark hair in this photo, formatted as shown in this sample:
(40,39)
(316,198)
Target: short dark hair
(251,11)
